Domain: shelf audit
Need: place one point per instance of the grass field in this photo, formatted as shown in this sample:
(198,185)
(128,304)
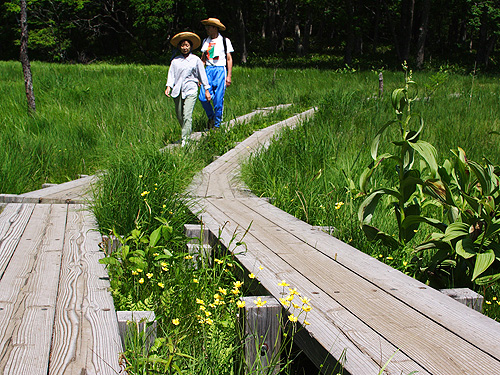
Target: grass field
(116,119)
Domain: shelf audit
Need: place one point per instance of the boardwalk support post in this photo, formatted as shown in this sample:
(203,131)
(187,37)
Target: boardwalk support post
(137,324)
(200,246)
(262,335)
(466,296)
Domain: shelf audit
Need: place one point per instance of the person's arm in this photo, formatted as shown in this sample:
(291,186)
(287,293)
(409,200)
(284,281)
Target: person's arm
(203,79)
(229,68)
(167,91)
(170,78)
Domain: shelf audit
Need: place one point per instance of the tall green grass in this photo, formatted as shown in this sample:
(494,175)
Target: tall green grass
(313,171)
(86,113)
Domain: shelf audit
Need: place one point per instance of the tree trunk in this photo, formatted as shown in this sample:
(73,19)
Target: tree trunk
(242,32)
(350,37)
(407,11)
(422,33)
(28,79)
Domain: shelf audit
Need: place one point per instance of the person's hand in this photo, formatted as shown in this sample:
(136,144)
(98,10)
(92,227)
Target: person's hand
(167,91)
(228,81)
(207,95)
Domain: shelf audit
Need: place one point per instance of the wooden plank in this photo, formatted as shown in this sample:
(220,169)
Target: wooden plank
(13,221)
(28,292)
(86,338)
(401,323)
(328,325)
(72,190)
(475,327)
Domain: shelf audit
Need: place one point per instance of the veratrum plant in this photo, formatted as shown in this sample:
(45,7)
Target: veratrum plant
(404,197)
(470,193)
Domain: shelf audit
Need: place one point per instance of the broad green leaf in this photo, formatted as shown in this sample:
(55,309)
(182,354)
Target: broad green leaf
(410,231)
(482,176)
(414,136)
(374,234)
(155,237)
(486,280)
(412,219)
(398,99)
(366,209)
(456,230)
(376,140)
(483,261)
(428,153)
(465,248)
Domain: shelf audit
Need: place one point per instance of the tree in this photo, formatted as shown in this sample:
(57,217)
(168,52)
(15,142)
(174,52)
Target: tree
(28,79)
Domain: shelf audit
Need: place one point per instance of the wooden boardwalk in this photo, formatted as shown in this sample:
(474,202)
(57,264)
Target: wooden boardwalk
(362,308)
(56,313)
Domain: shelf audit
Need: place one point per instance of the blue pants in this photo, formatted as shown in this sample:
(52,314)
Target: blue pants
(217,80)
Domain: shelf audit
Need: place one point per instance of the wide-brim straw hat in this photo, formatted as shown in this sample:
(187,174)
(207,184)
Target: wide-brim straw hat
(214,22)
(192,37)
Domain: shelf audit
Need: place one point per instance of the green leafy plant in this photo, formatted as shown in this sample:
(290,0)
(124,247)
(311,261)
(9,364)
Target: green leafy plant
(405,196)
(469,192)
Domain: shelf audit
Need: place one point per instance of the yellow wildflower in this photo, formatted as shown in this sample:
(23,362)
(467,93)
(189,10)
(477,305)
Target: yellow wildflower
(293,291)
(196,281)
(237,284)
(283,283)
(141,280)
(135,273)
(207,313)
(252,276)
(200,301)
(295,306)
(292,318)
(149,275)
(145,192)
(307,308)
(240,304)
(175,322)
(305,300)
(188,257)
(161,285)
(290,297)
(306,323)
(338,205)
(218,261)
(139,270)
(209,321)
(223,291)
(155,254)
(261,268)
(284,302)
(259,302)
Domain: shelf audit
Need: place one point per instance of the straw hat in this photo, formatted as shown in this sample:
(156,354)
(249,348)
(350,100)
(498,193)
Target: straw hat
(214,22)
(192,37)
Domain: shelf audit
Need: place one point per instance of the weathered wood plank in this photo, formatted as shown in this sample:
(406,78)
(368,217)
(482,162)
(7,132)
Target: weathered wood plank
(400,323)
(431,302)
(333,326)
(86,338)
(28,292)
(13,221)
(73,190)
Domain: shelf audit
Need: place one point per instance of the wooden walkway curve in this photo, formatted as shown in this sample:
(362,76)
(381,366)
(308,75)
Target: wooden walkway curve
(362,307)
(56,312)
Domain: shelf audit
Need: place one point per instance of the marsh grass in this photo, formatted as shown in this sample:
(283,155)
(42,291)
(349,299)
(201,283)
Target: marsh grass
(313,171)
(88,113)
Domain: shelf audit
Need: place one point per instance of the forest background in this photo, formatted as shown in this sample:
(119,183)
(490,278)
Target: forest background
(314,33)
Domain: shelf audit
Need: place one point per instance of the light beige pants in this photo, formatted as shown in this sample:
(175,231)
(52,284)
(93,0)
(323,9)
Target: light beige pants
(184,110)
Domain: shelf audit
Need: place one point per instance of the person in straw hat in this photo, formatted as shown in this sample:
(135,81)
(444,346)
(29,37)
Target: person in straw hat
(216,54)
(186,70)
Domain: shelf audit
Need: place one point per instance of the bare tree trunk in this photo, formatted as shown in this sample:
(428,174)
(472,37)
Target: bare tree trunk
(242,32)
(28,79)
(422,33)
(407,11)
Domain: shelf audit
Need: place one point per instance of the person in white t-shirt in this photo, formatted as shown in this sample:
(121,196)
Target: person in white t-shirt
(216,54)
(186,70)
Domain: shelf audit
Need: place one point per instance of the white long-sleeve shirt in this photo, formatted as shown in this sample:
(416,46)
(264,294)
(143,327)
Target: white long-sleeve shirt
(184,75)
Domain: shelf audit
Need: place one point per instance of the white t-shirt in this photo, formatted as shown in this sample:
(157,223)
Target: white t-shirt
(215,50)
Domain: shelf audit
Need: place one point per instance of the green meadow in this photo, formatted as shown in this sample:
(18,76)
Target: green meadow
(115,120)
